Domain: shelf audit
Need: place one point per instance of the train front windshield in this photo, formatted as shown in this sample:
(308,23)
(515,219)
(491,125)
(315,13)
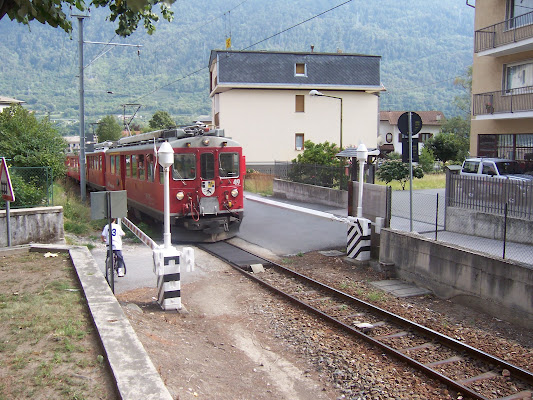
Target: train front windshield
(229,165)
(184,166)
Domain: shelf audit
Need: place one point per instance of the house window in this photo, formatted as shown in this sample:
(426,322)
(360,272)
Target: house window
(300,69)
(518,76)
(424,137)
(300,103)
(299,141)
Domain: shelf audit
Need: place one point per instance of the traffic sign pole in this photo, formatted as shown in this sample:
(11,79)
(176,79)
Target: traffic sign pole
(410,171)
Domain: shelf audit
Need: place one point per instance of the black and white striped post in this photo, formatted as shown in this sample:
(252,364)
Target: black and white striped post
(358,243)
(359,230)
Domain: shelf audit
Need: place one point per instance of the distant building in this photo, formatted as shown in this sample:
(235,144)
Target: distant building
(390,137)
(73,144)
(8,102)
(502,80)
(262,99)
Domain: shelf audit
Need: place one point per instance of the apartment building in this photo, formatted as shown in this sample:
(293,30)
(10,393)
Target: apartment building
(502,81)
(272,102)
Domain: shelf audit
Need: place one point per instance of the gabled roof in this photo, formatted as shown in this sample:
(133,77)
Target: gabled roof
(277,69)
(428,117)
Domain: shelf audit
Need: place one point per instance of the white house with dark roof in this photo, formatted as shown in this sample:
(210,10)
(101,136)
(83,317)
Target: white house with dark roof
(390,137)
(262,100)
(6,102)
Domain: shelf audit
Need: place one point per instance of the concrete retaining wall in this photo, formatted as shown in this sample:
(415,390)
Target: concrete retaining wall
(32,225)
(499,287)
(310,193)
(472,222)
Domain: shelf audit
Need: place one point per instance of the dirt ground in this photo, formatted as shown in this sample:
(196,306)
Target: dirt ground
(238,341)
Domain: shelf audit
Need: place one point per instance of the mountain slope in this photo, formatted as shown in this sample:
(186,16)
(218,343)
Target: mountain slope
(423,46)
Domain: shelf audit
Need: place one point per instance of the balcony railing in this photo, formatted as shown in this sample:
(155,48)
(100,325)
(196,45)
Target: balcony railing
(503,101)
(509,31)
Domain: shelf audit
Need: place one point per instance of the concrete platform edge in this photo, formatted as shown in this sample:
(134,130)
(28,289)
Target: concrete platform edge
(133,371)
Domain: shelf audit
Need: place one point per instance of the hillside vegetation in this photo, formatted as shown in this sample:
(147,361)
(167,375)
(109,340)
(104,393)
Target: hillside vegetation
(423,46)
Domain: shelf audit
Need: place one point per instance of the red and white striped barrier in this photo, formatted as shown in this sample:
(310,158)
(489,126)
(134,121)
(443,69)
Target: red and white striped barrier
(143,237)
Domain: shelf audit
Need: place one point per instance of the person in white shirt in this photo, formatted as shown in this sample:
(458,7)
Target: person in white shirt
(117,233)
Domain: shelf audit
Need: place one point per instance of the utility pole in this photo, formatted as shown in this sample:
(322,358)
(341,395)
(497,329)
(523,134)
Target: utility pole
(82,108)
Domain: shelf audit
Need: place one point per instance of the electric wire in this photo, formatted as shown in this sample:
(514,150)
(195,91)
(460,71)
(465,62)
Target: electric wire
(246,48)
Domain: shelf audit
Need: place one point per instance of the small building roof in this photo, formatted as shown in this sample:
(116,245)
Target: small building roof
(428,117)
(341,71)
(8,101)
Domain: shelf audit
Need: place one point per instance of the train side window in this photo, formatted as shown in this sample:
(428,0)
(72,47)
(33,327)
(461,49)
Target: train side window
(150,162)
(207,166)
(134,166)
(141,166)
(112,163)
(128,166)
(117,165)
(184,166)
(228,165)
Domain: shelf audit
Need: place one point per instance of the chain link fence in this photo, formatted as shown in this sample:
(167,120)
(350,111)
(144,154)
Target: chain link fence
(33,187)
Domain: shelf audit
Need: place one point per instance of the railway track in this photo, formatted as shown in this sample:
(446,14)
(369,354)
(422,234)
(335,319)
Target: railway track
(462,368)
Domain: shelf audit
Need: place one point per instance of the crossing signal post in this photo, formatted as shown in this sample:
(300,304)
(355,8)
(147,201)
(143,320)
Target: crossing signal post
(410,124)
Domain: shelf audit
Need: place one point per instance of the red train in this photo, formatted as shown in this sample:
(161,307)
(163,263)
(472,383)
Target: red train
(206,180)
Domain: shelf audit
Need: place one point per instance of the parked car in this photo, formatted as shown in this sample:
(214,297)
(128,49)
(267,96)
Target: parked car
(494,167)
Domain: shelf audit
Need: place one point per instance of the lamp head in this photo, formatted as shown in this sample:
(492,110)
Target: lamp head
(165,155)
(315,93)
(362,152)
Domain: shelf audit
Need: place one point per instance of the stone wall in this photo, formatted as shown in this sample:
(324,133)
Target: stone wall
(502,288)
(32,225)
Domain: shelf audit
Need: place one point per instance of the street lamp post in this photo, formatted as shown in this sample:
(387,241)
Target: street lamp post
(320,94)
(165,155)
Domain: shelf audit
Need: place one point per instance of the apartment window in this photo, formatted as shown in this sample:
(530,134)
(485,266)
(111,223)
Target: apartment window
(519,13)
(300,103)
(518,76)
(299,141)
(300,69)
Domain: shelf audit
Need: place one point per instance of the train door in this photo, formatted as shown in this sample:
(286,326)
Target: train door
(123,167)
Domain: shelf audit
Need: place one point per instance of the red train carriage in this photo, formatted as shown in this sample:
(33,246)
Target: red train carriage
(206,180)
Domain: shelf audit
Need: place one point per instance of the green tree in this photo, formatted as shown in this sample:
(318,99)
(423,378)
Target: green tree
(396,170)
(161,120)
(446,146)
(29,142)
(321,153)
(129,13)
(109,129)
(426,160)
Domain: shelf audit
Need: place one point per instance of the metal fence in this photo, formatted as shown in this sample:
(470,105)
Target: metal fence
(33,187)
(491,195)
(312,174)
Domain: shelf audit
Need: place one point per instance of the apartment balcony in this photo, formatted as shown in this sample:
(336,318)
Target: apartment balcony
(511,36)
(504,104)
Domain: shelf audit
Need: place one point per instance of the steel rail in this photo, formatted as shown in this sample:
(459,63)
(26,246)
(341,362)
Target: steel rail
(518,372)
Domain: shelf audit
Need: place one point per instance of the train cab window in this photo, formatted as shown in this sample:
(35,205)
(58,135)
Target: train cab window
(112,164)
(184,166)
(134,166)
(141,167)
(207,166)
(117,165)
(128,166)
(228,165)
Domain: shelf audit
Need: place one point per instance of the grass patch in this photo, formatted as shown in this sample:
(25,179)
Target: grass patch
(429,181)
(257,182)
(46,335)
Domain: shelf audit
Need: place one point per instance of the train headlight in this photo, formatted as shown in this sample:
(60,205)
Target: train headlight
(235,192)
(205,142)
(180,195)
